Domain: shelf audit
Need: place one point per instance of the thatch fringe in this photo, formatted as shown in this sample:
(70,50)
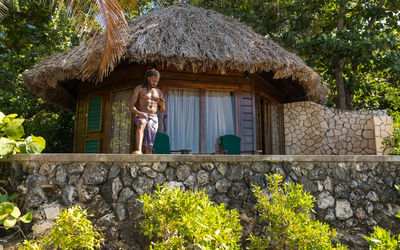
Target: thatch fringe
(183,36)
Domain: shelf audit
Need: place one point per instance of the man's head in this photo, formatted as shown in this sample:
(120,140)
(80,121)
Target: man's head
(151,79)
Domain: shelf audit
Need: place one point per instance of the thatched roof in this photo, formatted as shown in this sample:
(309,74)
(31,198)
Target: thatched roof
(181,36)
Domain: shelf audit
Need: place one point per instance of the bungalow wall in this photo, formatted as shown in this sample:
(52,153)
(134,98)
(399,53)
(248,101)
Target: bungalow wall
(120,84)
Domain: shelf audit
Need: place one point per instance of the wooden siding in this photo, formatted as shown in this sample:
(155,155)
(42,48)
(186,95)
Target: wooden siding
(129,76)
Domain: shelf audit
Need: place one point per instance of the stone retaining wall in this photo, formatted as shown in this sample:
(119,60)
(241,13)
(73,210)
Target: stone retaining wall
(354,193)
(313,129)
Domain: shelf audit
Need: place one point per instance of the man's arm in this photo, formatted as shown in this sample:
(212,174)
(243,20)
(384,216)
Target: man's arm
(134,99)
(161,102)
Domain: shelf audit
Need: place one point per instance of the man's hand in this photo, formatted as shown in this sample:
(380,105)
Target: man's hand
(141,114)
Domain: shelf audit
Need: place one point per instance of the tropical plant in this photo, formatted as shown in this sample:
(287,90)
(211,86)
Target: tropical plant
(382,239)
(73,230)
(10,214)
(11,141)
(188,220)
(285,211)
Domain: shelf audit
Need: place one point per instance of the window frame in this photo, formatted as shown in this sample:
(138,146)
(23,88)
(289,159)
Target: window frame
(202,112)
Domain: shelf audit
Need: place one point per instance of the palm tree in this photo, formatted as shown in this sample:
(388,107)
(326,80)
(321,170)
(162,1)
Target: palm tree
(90,17)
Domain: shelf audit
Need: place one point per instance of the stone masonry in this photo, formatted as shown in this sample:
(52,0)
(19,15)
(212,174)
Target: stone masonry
(353,193)
(313,129)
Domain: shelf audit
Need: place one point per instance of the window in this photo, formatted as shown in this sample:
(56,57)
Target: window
(190,127)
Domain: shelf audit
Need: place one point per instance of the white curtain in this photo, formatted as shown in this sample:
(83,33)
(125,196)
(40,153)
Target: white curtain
(220,116)
(183,121)
(121,122)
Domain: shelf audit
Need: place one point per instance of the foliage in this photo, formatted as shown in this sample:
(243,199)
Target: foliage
(181,220)
(286,210)
(29,32)
(10,215)
(11,141)
(73,230)
(381,239)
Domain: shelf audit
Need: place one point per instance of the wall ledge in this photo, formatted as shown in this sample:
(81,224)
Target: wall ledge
(199,158)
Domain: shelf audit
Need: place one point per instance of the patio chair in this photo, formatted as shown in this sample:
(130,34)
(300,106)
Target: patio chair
(162,145)
(230,144)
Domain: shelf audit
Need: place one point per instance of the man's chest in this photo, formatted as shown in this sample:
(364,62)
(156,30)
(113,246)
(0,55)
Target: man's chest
(151,95)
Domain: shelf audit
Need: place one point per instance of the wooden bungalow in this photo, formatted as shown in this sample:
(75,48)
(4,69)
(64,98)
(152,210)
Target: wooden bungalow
(218,76)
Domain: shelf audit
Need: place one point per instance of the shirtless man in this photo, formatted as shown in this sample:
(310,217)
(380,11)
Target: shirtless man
(146,99)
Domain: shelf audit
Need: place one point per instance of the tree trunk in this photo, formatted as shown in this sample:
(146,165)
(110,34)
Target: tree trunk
(338,64)
(341,91)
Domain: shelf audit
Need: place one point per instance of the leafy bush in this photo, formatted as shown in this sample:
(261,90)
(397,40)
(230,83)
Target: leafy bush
(381,239)
(73,230)
(11,141)
(186,220)
(286,211)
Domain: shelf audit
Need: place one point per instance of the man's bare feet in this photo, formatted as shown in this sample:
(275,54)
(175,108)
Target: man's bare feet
(137,152)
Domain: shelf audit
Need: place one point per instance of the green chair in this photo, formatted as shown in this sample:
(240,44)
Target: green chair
(231,145)
(162,145)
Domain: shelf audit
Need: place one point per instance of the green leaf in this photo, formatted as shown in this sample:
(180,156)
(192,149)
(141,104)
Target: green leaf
(6,208)
(26,218)
(5,182)
(13,196)
(6,146)
(16,133)
(13,124)
(35,145)
(11,116)
(16,213)
(9,222)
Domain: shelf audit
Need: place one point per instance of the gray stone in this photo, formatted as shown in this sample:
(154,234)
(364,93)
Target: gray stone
(234,172)
(42,227)
(170,174)
(223,185)
(372,196)
(51,211)
(143,185)
(258,180)
(149,172)
(238,191)
(159,180)
(176,184)
(325,200)
(369,208)
(222,168)
(221,198)
(330,215)
(87,193)
(116,188)
(35,197)
(68,195)
(207,166)
(196,167)
(328,184)
(343,210)
(125,194)
(133,170)
(202,178)
(190,182)
(360,213)
(75,168)
(308,185)
(341,191)
(95,174)
(114,171)
(120,212)
(182,172)
(36,181)
(215,176)
(74,178)
(46,169)
(159,166)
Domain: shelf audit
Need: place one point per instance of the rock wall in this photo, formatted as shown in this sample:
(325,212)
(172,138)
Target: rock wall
(313,129)
(353,193)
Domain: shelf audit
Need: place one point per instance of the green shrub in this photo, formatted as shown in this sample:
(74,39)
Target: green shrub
(381,239)
(286,212)
(11,141)
(73,230)
(187,220)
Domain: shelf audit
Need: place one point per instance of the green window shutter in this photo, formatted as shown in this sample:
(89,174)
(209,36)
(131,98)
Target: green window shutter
(92,146)
(94,114)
